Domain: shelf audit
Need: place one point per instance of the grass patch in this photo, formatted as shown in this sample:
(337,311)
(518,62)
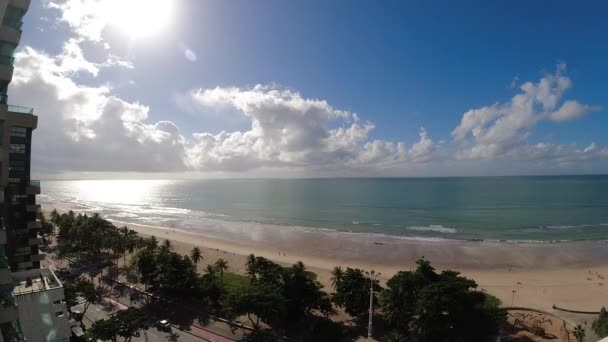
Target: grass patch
(234,281)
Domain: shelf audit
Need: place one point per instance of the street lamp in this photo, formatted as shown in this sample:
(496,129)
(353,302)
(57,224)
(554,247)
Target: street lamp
(513,297)
(372,275)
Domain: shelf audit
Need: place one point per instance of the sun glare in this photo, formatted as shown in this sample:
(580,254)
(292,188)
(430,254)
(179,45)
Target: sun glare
(140,18)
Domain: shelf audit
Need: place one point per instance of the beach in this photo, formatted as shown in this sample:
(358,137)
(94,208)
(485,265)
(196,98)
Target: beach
(567,274)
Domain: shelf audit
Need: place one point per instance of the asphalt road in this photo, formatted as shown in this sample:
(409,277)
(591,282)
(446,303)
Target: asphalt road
(102,311)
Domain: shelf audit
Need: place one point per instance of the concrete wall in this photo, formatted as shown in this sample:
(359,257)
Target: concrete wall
(37,310)
(37,314)
(3,4)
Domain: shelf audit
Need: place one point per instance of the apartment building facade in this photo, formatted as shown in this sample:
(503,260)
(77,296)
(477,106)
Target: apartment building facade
(32,305)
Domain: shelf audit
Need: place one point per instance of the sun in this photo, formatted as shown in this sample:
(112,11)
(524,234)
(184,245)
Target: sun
(140,18)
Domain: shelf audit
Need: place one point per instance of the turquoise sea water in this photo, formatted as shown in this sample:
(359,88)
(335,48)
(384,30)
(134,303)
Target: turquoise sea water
(488,208)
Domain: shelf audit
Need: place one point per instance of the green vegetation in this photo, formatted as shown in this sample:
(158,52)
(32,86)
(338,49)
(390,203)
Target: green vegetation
(416,306)
(196,255)
(427,306)
(579,333)
(352,292)
(600,325)
(87,291)
(126,324)
(234,281)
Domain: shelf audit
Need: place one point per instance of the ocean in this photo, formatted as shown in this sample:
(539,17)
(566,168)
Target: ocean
(476,208)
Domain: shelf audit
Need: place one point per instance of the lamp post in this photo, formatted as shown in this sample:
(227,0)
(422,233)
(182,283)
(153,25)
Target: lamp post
(372,275)
(513,297)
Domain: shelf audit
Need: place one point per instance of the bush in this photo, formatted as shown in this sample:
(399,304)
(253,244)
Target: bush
(600,325)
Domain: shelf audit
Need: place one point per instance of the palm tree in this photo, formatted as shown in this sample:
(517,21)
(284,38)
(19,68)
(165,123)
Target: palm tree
(167,244)
(210,272)
(579,333)
(221,265)
(130,242)
(153,243)
(196,255)
(55,216)
(337,274)
(252,267)
(299,267)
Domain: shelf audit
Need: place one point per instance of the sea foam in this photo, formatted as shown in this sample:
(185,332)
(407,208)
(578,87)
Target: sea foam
(433,228)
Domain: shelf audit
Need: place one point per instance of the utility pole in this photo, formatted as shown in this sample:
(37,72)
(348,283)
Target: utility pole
(372,275)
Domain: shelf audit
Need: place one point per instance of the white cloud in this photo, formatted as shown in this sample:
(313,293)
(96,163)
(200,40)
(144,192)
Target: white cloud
(85,128)
(290,130)
(503,129)
(86,18)
(88,128)
(571,110)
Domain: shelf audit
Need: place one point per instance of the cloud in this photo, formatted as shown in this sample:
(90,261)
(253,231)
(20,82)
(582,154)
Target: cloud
(86,18)
(503,129)
(85,128)
(292,131)
(571,110)
(88,128)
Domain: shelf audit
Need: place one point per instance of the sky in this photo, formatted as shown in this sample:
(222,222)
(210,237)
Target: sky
(191,88)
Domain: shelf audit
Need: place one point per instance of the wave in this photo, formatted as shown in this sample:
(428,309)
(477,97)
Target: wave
(578,226)
(433,228)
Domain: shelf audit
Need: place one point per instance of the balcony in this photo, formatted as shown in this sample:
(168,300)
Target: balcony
(24,265)
(20,109)
(34,225)
(5,272)
(23,4)
(33,208)
(7,60)
(33,187)
(38,257)
(35,241)
(13,22)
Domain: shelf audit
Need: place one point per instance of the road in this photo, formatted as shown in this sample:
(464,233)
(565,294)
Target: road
(195,332)
(96,312)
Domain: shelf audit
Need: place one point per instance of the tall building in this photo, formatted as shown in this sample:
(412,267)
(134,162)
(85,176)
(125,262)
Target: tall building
(32,305)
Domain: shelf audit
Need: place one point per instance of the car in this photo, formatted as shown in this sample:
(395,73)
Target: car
(163,325)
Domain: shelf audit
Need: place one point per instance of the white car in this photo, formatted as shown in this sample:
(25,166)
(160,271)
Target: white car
(163,325)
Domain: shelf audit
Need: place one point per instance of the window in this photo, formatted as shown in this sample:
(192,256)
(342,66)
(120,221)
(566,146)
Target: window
(14,180)
(18,132)
(17,148)
(59,314)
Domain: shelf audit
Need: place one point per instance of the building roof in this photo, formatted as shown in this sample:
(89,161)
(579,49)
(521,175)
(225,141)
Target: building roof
(32,281)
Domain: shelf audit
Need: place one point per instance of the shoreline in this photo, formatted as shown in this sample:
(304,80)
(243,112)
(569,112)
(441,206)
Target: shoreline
(542,274)
(202,225)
